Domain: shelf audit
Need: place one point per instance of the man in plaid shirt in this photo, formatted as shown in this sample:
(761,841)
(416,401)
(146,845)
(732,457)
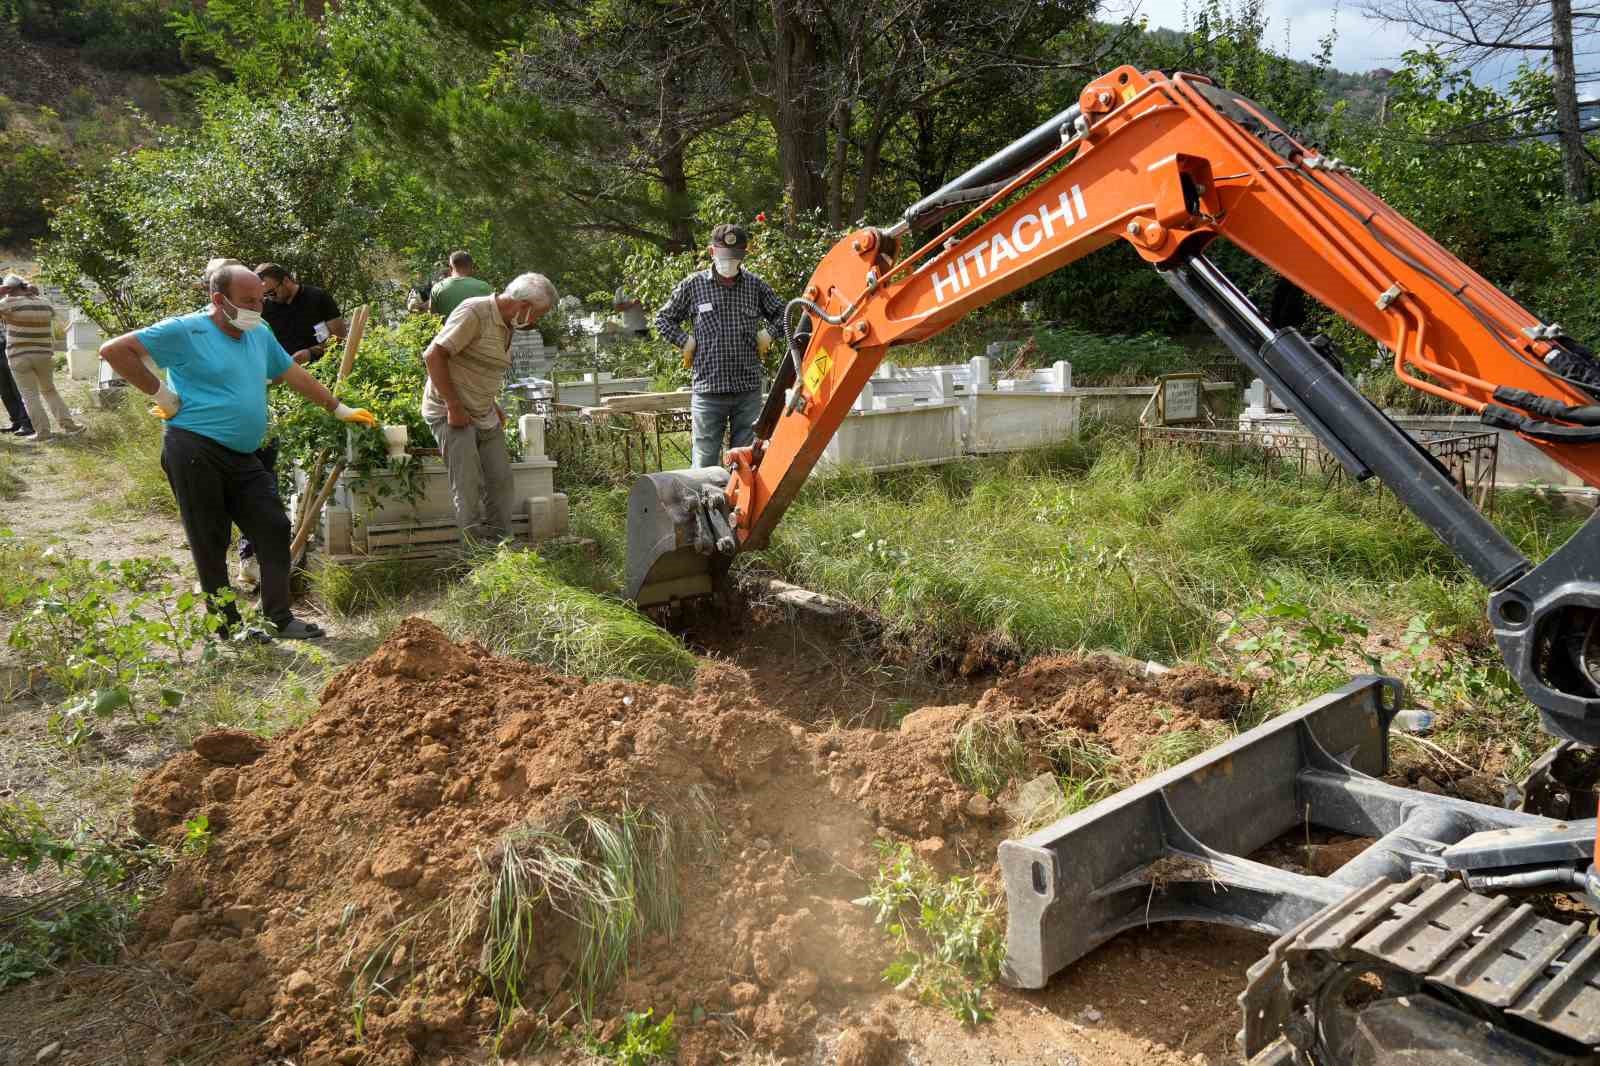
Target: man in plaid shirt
(736,315)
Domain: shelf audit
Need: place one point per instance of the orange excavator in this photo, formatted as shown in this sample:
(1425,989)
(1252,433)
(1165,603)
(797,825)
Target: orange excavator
(1419,949)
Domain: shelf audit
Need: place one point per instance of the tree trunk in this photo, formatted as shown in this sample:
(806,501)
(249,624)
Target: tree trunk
(871,152)
(836,165)
(1566,99)
(801,124)
(680,208)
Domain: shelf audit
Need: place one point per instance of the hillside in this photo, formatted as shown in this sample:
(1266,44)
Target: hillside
(64,110)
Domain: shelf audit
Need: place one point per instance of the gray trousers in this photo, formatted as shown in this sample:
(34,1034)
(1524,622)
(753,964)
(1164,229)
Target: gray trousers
(480,479)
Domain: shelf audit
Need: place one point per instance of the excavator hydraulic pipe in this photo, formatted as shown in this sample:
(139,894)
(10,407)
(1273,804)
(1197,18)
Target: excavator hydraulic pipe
(1020,153)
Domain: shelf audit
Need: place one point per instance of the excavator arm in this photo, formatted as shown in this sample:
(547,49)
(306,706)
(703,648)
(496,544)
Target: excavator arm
(1167,164)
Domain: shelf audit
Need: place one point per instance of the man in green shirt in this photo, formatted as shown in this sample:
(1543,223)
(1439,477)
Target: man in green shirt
(462,284)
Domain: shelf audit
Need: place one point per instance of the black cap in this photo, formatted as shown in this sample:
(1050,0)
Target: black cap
(729,241)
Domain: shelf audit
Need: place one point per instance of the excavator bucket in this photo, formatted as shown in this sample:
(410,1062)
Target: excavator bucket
(679,539)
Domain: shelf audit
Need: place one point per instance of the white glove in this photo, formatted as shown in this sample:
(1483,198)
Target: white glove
(167,403)
(688,354)
(763,341)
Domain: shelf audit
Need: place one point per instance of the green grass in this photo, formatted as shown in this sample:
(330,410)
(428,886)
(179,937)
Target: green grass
(383,584)
(12,484)
(119,460)
(517,604)
(987,754)
(1069,549)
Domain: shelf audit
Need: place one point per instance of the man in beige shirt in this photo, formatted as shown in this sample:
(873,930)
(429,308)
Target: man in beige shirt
(30,351)
(467,363)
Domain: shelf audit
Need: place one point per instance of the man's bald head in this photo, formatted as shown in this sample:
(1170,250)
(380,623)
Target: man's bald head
(236,281)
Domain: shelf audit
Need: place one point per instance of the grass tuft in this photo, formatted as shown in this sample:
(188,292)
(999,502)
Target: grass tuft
(987,754)
(613,881)
(12,484)
(347,591)
(514,603)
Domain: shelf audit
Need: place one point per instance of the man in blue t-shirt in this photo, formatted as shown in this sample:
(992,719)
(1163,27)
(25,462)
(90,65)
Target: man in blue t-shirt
(218,363)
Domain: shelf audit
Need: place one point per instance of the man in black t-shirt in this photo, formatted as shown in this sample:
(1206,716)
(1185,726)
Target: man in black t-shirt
(302,317)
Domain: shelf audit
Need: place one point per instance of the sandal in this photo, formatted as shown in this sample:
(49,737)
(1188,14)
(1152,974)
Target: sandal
(297,629)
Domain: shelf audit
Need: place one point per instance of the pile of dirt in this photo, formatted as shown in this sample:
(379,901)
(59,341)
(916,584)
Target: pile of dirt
(342,854)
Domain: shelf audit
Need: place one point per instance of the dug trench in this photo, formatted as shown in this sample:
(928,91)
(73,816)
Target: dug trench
(393,881)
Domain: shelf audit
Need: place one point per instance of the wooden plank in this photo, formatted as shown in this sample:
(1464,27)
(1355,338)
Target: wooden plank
(646,401)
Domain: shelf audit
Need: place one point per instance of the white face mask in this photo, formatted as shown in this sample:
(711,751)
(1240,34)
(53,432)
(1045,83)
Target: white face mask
(525,320)
(726,267)
(243,319)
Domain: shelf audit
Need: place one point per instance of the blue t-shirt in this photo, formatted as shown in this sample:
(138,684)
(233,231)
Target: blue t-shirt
(221,381)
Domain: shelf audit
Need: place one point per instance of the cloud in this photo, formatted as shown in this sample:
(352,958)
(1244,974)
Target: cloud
(1362,43)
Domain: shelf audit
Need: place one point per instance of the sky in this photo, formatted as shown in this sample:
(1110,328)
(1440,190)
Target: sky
(1363,43)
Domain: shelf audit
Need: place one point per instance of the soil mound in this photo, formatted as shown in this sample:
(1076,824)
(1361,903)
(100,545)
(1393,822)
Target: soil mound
(335,904)
(1101,696)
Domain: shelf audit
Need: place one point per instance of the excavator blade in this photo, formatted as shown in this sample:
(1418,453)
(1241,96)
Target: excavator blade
(673,536)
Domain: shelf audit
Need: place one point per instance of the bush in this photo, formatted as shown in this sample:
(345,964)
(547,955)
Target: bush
(279,182)
(120,34)
(32,177)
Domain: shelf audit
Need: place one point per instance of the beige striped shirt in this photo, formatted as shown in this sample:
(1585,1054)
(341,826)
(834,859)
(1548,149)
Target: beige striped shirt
(27,320)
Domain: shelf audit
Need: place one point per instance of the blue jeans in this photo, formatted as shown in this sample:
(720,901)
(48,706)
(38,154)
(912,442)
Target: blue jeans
(719,414)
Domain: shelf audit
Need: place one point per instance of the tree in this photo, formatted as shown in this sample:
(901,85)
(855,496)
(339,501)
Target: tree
(647,85)
(1469,31)
(253,182)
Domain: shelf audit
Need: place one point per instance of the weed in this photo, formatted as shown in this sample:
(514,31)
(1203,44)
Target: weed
(641,1041)
(513,602)
(113,636)
(1290,640)
(987,754)
(100,886)
(948,932)
(613,878)
(196,835)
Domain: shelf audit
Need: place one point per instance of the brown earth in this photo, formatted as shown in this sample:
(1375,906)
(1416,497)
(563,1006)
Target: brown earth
(345,852)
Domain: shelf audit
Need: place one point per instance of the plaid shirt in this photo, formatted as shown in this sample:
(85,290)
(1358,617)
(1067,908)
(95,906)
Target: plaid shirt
(726,318)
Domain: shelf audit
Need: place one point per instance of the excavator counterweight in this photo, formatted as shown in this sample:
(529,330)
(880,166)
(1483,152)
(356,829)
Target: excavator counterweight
(1166,164)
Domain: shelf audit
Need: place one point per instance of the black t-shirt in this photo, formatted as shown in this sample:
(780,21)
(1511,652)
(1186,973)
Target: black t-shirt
(295,323)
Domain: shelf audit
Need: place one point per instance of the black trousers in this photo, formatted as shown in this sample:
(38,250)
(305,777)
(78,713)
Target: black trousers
(9,394)
(218,488)
(268,454)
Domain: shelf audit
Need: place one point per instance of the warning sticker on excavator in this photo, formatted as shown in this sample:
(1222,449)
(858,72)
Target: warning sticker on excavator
(818,369)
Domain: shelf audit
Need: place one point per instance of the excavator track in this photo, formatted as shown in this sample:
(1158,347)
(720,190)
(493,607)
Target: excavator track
(1444,955)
